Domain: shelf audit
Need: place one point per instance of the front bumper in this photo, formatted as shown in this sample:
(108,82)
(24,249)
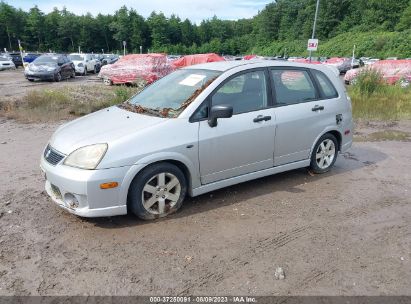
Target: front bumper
(39,75)
(63,183)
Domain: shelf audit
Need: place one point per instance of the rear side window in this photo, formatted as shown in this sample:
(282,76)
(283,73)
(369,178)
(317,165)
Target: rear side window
(326,86)
(292,86)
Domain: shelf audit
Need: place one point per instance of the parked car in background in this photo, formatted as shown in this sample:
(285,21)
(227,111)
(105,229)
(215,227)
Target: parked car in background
(136,69)
(30,57)
(371,61)
(50,67)
(84,63)
(197,130)
(97,61)
(110,58)
(16,57)
(6,63)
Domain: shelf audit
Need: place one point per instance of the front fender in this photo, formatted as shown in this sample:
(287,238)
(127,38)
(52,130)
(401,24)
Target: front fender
(155,158)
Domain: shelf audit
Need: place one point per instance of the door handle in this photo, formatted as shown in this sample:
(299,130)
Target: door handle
(317,108)
(260,118)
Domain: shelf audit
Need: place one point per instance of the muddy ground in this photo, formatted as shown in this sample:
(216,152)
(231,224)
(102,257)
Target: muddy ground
(346,232)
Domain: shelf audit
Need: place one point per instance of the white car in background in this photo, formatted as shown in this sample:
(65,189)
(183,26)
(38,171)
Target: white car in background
(6,63)
(84,63)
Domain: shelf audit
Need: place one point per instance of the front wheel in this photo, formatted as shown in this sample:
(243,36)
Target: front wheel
(158,191)
(57,78)
(107,81)
(324,154)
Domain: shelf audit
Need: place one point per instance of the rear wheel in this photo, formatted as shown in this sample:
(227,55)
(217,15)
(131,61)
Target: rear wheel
(85,71)
(324,154)
(95,70)
(157,191)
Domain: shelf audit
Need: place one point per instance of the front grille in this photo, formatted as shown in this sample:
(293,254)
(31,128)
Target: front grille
(52,156)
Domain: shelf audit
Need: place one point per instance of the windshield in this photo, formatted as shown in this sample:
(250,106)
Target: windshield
(46,59)
(76,57)
(169,96)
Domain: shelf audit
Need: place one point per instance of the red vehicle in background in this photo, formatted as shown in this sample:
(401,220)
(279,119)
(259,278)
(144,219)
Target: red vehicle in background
(392,71)
(196,59)
(136,69)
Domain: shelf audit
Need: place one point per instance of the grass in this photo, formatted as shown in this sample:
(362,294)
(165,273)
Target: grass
(372,99)
(64,103)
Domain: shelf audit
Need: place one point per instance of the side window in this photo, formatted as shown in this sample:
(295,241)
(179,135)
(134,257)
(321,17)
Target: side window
(325,85)
(245,93)
(60,60)
(292,86)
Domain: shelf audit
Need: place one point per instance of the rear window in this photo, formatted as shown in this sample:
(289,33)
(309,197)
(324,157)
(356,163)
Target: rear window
(326,86)
(292,86)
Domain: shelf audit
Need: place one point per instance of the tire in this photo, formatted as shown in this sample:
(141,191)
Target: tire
(31,80)
(57,77)
(73,74)
(149,197)
(95,70)
(324,154)
(85,71)
(107,81)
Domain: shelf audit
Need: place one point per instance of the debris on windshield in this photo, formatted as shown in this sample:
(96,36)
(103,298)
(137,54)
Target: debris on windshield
(138,109)
(165,112)
(172,113)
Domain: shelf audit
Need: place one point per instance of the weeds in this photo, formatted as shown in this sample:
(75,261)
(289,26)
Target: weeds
(373,99)
(65,103)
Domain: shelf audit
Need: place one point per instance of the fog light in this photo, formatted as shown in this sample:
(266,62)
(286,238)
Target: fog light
(70,200)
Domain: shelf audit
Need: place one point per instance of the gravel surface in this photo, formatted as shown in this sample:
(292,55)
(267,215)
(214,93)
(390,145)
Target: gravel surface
(346,232)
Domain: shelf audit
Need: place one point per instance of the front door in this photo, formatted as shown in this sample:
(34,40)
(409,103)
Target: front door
(243,143)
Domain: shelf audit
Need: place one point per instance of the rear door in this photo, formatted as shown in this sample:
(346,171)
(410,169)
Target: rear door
(243,143)
(302,112)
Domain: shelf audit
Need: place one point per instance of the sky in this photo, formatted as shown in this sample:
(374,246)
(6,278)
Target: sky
(195,10)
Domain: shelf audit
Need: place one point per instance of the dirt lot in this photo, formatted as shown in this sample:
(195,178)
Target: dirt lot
(13,84)
(346,232)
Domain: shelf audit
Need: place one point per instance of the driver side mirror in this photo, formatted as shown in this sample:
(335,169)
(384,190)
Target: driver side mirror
(220,111)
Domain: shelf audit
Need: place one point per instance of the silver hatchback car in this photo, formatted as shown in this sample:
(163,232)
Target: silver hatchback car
(196,130)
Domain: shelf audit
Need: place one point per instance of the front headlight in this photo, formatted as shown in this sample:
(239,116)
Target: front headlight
(87,157)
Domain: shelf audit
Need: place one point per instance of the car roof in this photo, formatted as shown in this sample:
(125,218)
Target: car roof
(224,66)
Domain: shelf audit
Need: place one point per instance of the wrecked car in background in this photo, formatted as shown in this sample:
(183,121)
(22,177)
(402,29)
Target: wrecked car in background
(136,69)
(392,71)
(196,59)
(343,64)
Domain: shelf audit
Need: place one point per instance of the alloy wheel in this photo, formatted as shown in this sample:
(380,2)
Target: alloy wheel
(325,154)
(161,193)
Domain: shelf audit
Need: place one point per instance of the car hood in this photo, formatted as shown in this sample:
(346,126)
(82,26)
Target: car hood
(104,126)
